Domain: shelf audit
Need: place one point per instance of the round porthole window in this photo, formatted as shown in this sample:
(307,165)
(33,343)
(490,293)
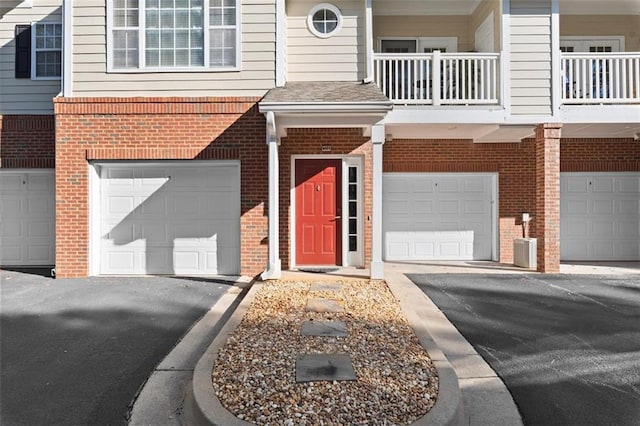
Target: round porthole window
(324,20)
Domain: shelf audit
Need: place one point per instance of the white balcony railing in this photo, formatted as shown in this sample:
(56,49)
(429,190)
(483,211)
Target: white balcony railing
(439,78)
(600,78)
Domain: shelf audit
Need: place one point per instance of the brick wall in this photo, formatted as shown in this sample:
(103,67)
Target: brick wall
(156,129)
(310,142)
(599,155)
(27,141)
(547,216)
(514,163)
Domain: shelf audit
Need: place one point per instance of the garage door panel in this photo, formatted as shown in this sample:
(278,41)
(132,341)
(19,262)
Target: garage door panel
(151,205)
(474,207)
(629,185)
(629,207)
(39,183)
(424,249)
(12,207)
(170,219)
(602,222)
(422,207)
(11,182)
(603,184)
(602,228)
(449,207)
(474,185)
(448,185)
(573,184)
(604,207)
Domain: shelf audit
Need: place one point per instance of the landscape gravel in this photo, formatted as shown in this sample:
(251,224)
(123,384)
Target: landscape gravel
(254,373)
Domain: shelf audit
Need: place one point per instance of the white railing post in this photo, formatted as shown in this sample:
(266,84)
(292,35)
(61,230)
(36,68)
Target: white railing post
(436,80)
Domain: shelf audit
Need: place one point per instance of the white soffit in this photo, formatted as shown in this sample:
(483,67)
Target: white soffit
(599,7)
(511,133)
(424,7)
(608,130)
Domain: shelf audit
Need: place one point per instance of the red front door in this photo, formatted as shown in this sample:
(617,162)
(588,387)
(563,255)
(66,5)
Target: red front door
(318,210)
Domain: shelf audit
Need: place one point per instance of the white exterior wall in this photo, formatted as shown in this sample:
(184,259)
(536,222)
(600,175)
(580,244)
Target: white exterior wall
(23,95)
(256,75)
(530,36)
(337,58)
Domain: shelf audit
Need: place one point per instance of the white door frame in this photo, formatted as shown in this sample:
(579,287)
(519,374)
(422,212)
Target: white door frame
(347,160)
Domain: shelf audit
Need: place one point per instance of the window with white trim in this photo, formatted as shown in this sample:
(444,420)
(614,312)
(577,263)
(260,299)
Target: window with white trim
(324,20)
(173,34)
(47,50)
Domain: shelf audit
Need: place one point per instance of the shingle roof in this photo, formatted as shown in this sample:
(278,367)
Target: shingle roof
(326,92)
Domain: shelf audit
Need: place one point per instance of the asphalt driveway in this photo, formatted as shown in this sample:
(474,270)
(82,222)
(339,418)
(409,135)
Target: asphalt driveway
(566,346)
(75,352)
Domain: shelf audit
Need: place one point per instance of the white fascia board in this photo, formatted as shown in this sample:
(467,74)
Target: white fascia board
(600,114)
(319,107)
(445,115)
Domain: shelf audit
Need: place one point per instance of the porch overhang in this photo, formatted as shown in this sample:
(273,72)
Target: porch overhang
(325,104)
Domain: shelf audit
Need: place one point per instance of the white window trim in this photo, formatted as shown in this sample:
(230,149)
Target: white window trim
(33,50)
(315,9)
(141,43)
(582,41)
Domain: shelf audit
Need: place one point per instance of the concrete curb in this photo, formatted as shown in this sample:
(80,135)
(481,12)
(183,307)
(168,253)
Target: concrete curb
(203,405)
(161,398)
(448,409)
(204,408)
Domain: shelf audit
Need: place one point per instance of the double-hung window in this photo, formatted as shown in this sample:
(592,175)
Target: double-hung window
(38,51)
(156,35)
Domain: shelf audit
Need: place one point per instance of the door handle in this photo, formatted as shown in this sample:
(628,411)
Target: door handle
(338,217)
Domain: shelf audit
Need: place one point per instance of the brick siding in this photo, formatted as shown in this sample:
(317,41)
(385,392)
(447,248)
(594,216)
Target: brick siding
(156,129)
(27,141)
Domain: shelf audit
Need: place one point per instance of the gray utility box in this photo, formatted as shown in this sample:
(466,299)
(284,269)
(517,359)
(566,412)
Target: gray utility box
(525,252)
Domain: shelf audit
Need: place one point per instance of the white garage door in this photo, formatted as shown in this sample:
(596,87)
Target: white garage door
(170,219)
(27,217)
(438,216)
(600,216)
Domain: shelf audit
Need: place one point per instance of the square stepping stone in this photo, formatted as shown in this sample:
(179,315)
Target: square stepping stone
(324,328)
(325,305)
(319,367)
(320,286)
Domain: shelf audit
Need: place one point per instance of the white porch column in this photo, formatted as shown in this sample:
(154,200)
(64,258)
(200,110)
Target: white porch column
(273,270)
(377,139)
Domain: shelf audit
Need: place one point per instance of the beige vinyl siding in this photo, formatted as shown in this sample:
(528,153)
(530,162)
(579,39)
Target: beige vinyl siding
(23,95)
(424,26)
(256,75)
(480,14)
(340,57)
(530,64)
(603,25)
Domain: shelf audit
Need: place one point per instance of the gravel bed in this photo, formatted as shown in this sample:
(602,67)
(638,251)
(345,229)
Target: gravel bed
(254,374)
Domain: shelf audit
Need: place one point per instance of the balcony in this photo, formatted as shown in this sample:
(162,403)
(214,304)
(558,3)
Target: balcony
(600,78)
(439,78)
